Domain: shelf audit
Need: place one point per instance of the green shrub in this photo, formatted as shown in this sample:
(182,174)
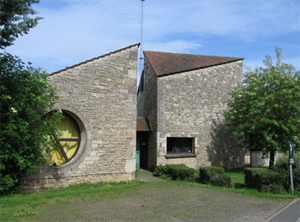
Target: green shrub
(161,171)
(283,167)
(249,178)
(283,163)
(273,188)
(239,185)
(181,172)
(214,176)
(175,171)
(296,179)
(264,180)
(207,172)
(220,180)
(26,96)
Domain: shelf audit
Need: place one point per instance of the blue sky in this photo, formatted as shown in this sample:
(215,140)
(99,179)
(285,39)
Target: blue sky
(73,31)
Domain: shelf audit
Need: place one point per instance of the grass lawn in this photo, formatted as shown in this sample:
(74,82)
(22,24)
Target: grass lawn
(237,175)
(17,207)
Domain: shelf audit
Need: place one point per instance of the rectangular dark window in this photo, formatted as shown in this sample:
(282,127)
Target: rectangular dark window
(180,145)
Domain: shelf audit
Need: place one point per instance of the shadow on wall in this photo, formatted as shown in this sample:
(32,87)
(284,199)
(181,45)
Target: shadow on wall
(223,149)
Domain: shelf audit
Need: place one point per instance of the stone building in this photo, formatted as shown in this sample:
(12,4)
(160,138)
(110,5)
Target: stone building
(98,100)
(179,104)
(182,98)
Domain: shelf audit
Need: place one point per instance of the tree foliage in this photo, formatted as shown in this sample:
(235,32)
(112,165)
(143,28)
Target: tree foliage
(15,20)
(265,111)
(25,98)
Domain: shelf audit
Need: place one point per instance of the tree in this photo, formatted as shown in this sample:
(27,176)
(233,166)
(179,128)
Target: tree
(14,20)
(25,129)
(265,111)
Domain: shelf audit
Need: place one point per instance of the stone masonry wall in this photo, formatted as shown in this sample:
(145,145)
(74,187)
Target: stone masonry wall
(101,96)
(191,104)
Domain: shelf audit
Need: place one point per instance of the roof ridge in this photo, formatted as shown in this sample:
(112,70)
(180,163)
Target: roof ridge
(94,58)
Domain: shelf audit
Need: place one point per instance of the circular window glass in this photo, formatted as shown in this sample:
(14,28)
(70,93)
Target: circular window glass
(68,143)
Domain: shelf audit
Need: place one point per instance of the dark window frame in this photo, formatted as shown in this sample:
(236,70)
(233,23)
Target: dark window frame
(173,144)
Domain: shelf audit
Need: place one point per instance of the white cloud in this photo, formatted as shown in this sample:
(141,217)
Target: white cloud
(239,19)
(75,30)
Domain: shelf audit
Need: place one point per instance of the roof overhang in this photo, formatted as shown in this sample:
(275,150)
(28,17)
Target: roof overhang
(143,125)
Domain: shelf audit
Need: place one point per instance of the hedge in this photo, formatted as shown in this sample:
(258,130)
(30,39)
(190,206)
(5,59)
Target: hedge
(214,176)
(181,172)
(175,172)
(161,171)
(283,167)
(265,180)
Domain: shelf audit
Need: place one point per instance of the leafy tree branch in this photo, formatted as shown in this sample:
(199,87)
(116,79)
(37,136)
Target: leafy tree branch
(265,111)
(25,98)
(15,20)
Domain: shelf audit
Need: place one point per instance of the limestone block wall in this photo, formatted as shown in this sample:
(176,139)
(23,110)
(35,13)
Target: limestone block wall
(191,104)
(100,95)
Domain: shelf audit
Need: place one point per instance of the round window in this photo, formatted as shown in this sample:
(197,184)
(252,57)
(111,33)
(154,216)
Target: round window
(68,144)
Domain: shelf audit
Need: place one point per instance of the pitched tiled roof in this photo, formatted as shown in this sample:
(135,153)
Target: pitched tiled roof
(90,60)
(165,63)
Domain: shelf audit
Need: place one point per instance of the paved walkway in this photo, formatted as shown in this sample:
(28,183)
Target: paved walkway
(289,213)
(146,176)
(159,200)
